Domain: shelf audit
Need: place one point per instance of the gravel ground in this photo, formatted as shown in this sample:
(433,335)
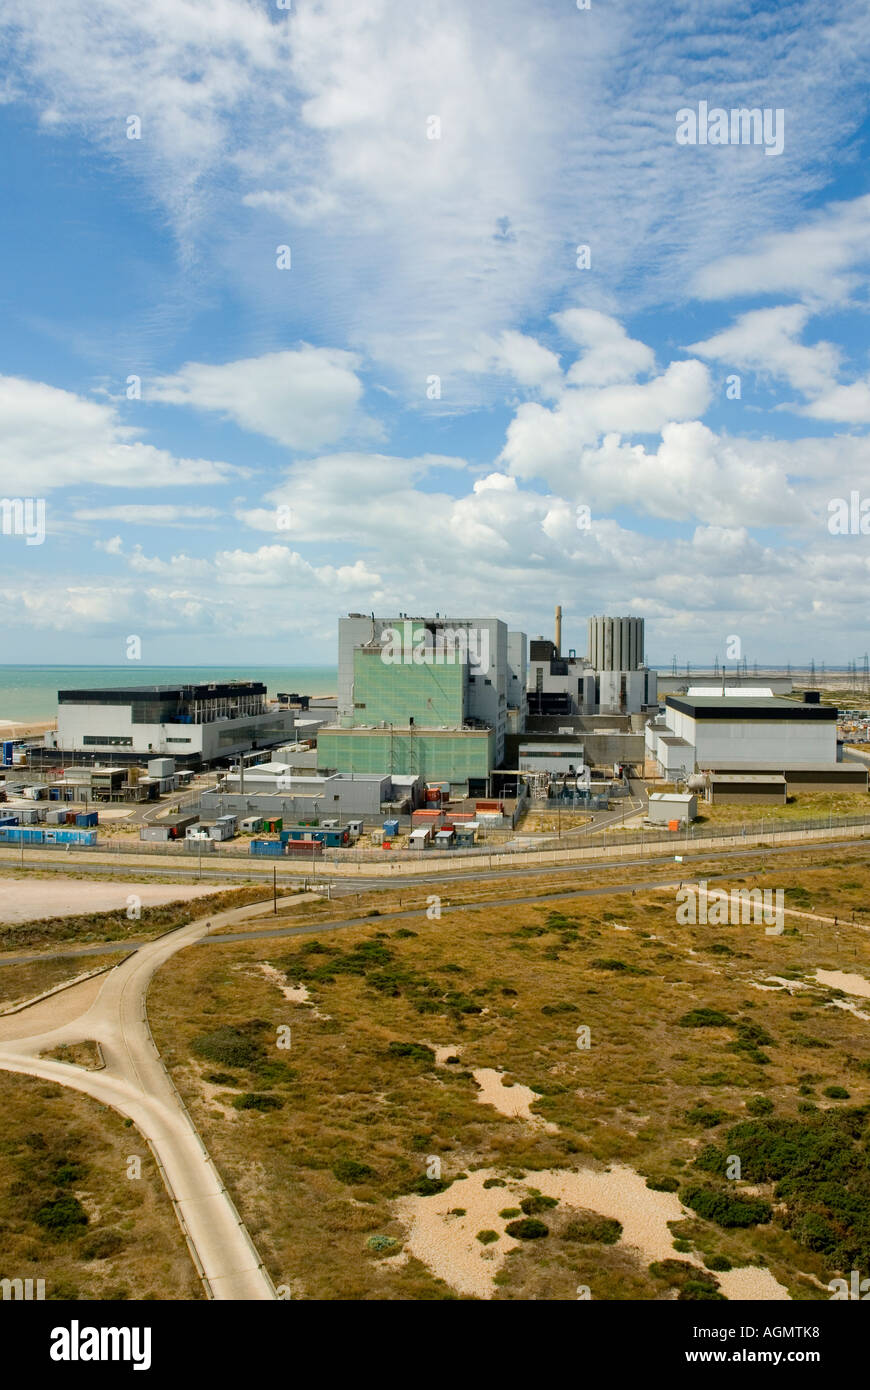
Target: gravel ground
(28,900)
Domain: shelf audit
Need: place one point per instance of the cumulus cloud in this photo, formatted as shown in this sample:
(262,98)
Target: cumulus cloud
(51,438)
(819,259)
(303,398)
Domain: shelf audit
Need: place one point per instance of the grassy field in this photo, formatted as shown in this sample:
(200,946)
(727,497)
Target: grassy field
(26,981)
(69,1212)
(806,806)
(695,1054)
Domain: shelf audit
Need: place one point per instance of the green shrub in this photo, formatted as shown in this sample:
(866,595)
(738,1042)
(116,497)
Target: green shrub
(532,1205)
(430,1187)
(609,963)
(718,1262)
(725,1210)
(487,1237)
(698,1289)
(591,1229)
(509,1212)
(704,1116)
(529,1228)
(228,1046)
(378,1243)
(665,1184)
(417,1052)
(256,1100)
(705,1018)
(494,1182)
(759,1105)
(62,1215)
(221,1078)
(348,1170)
(690,1281)
(836,1092)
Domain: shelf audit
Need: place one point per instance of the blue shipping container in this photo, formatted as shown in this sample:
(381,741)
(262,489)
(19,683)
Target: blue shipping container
(391,827)
(14,834)
(269,847)
(86,819)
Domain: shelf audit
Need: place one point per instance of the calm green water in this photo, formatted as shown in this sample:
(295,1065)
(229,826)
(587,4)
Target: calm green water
(30,692)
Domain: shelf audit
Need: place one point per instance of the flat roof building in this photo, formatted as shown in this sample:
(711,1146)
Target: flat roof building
(740,733)
(194,724)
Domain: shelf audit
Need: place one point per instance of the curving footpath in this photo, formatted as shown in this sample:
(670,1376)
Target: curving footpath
(111,1011)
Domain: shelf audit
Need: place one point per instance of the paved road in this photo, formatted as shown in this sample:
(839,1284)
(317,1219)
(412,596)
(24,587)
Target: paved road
(135,1082)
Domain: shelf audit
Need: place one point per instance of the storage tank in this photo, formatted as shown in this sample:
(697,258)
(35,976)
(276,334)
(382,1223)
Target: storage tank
(615,644)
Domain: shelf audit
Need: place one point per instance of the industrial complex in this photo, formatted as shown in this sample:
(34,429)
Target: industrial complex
(442,732)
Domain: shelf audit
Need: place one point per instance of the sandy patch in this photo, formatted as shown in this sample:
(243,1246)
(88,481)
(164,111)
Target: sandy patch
(777,982)
(28,900)
(295,994)
(513,1101)
(851,1008)
(852,984)
(751,1283)
(448,1244)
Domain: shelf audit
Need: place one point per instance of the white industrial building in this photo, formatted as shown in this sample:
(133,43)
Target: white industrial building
(700,731)
(610,679)
(194,724)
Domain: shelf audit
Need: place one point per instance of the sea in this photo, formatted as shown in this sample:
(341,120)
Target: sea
(29,693)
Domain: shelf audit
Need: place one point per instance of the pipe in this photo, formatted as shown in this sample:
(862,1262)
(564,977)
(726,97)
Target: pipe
(558,629)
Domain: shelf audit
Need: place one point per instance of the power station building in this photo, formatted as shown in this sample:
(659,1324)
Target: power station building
(428,697)
(194,724)
(610,679)
(738,732)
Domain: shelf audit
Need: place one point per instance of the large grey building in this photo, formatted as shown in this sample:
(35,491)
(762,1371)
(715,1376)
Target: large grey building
(194,724)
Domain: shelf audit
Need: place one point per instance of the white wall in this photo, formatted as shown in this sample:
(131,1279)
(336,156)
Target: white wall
(757,740)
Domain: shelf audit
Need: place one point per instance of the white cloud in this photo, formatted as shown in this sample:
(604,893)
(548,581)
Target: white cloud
(610,356)
(303,398)
(819,259)
(766,341)
(522,358)
(51,438)
(142,514)
(311,124)
(547,443)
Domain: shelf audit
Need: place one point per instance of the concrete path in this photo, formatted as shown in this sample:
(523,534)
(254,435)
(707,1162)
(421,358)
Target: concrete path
(136,1083)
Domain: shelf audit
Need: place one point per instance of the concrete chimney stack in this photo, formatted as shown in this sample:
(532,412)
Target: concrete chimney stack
(558,629)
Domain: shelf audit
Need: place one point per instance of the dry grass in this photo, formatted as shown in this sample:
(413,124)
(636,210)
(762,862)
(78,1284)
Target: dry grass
(85,1054)
(532,973)
(63,1154)
(19,983)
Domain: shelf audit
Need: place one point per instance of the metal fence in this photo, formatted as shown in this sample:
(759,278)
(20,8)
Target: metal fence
(613,837)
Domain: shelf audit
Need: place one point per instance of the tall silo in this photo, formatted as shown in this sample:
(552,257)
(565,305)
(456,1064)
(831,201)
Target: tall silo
(615,644)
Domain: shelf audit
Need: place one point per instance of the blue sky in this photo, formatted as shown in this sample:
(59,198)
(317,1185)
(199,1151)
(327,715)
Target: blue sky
(290,458)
